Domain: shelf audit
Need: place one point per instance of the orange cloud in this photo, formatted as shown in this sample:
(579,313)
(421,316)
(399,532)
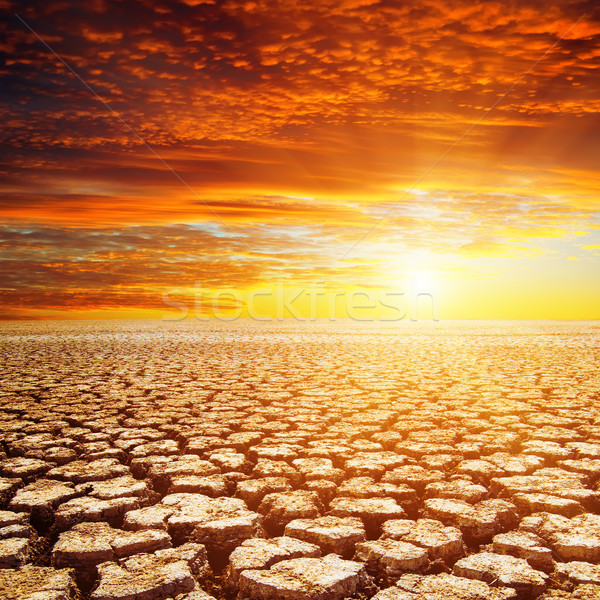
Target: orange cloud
(285,133)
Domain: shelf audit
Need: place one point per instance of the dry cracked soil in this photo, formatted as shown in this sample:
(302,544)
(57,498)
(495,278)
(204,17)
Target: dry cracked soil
(299,461)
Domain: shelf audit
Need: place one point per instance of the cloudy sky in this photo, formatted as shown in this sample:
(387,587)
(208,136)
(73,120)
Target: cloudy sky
(152,147)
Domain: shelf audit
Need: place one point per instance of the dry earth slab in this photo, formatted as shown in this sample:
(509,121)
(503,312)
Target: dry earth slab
(37,583)
(164,574)
(334,535)
(89,544)
(503,570)
(258,553)
(328,578)
(443,587)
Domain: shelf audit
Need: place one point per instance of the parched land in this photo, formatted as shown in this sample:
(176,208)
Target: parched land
(303,461)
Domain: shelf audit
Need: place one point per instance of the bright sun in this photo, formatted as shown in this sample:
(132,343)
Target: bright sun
(422,281)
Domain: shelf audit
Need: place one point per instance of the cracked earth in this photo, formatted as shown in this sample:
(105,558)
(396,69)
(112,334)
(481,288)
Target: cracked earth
(286,461)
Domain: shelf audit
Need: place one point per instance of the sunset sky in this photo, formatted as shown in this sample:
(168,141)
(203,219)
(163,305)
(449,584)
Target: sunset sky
(231,145)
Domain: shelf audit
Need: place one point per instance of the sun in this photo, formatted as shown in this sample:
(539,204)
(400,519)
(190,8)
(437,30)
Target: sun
(422,281)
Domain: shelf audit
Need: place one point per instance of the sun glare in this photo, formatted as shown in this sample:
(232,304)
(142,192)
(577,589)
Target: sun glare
(422,281)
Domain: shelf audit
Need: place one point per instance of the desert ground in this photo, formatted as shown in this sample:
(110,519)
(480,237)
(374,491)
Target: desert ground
(144,460)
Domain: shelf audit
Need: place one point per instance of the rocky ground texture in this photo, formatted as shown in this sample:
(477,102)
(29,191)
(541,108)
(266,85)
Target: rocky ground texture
(150,460)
